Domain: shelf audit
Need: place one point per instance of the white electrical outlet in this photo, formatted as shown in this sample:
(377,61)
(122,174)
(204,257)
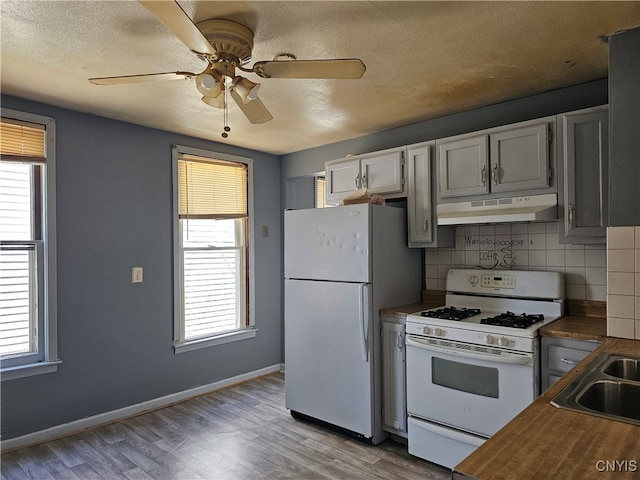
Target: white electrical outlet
(136,274)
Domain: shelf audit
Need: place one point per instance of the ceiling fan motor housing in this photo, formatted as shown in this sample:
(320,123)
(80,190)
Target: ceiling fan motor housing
(228,39)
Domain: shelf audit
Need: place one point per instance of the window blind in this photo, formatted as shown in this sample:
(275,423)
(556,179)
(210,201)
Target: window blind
(21,141)
(320,188)
(211,188)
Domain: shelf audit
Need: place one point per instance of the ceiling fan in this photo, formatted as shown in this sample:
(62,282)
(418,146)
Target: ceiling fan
(226,46)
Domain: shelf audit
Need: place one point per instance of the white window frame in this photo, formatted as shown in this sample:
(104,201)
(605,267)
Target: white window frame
(47,360)
(179,343)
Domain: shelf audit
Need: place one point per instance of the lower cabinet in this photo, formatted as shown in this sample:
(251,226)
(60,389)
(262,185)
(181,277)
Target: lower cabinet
(559,355)
(394,401)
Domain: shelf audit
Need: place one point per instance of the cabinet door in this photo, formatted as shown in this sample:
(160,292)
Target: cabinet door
(419,206)
(342,177)
(559,355)
(394,377)
(520,159)
(463,167)
(585,158)
(383,173)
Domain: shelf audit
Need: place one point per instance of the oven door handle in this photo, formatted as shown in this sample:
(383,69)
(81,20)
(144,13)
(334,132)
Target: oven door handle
(508,358)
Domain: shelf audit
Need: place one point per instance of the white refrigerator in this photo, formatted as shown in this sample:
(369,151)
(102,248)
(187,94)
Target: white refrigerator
(342,265)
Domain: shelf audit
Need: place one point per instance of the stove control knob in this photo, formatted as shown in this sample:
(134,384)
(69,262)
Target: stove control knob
(473,280)
(488,339)
(426,330)
(503,342)
(438,332)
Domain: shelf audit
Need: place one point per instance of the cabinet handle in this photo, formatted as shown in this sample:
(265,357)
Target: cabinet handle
(566,360)
(572,214)
(400,342)
(365,181)
(358,181)
(425,226)
(496,174)
(483,175)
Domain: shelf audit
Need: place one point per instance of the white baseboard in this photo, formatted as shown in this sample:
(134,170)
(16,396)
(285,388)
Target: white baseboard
(125,412)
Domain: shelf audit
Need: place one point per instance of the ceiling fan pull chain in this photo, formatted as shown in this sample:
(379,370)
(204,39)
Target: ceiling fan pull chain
(227,128)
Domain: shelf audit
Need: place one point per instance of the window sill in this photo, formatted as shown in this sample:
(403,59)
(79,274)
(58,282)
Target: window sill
(29,370)
(217,340)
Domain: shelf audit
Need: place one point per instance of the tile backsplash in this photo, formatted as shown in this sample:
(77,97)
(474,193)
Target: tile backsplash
(623,282)
(524,246)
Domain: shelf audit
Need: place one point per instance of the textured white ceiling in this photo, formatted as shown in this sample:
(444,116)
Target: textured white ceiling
(424,60)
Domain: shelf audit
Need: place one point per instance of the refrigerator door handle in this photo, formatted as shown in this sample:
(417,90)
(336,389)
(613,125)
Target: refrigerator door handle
(364,321)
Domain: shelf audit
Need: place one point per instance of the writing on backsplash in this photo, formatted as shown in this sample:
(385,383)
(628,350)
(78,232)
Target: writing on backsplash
(488,241)
(495,253)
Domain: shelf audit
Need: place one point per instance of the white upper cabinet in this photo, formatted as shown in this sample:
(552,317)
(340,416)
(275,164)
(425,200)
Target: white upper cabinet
(505,159)
(463,166)
(584,149)
(379,172)
(383,173)
(421,200)
(520,159)
(342,177)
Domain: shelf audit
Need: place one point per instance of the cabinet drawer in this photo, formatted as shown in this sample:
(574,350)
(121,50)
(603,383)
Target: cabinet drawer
(564,359)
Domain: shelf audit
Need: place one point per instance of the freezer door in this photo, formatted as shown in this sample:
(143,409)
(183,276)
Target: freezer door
(328,244)
(328,356)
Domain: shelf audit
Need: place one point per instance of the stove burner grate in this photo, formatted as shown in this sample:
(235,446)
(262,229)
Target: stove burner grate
(510,319)
(451,313)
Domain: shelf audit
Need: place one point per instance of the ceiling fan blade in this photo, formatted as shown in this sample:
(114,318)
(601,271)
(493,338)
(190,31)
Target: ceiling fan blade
(255,110)
(172,16)
(341,68)
(149,77)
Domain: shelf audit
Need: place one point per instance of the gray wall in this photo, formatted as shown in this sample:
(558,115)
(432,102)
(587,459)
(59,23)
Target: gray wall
(114,212)
(308,162)
(624,127)
(115,339)
(300,193)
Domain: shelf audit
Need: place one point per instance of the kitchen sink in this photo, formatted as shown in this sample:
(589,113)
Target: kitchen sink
(626,368)
(621,399)
(609,387)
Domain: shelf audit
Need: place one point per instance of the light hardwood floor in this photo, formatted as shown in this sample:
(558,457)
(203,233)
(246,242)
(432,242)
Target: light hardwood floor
(242,432)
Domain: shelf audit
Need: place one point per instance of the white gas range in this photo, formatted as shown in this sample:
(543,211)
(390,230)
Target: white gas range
(473,365)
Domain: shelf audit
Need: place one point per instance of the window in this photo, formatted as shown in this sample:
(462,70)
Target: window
(28,343)
(213,255)
(320,189)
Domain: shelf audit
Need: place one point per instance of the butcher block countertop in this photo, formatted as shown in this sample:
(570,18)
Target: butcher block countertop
(545,442)
(578,328)
(585,320)
(430,299)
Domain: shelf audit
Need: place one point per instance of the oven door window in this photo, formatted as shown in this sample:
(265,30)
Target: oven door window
(475,379)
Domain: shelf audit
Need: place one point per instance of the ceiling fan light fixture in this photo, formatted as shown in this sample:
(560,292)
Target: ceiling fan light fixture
(208,85)
(246,89)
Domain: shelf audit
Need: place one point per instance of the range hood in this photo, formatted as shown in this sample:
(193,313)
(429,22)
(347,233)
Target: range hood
(530,208)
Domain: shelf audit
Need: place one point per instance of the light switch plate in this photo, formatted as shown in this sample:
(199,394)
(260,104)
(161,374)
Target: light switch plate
(136,274)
